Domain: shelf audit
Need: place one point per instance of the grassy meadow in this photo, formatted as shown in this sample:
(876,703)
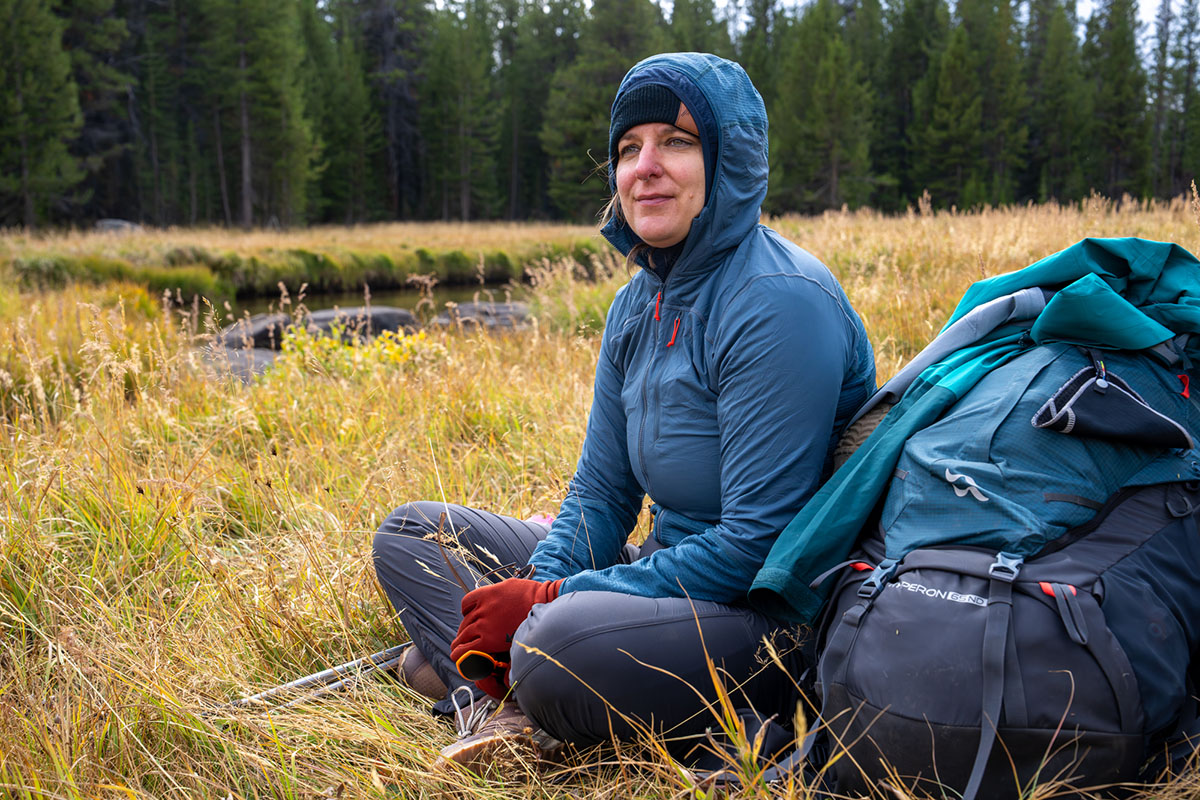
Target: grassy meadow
(174,538)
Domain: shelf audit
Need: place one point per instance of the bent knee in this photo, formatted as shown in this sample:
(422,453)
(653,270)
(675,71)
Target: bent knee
(545,676)
(564,669)
(541,638)
(399,530)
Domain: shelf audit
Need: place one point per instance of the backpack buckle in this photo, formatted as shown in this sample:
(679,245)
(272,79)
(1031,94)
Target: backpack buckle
(874,583)
(1005,567)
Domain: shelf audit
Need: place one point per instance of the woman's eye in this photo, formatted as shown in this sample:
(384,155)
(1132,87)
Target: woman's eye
(679,141)
(628,149)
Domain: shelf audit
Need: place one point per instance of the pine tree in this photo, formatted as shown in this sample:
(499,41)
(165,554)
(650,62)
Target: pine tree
(1060,106)
(1120,139)
(1005,104)
(95,37)
(919,29)
(1190,155)
(948,150)
(355,140)
(39,113)
(543,39)
(1160,100)
(437,106)
(159,145)
(257,44)
(992,42)
(821,118)
(696,27)
(757,49)
(508,16)
(792,162)
(840,126)
(320,82)
(346,130)
(618,34)
(1184,128)
(867,37)
(394,34)
(458,113)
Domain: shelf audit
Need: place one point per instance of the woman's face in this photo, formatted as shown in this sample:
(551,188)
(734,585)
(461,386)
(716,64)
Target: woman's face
(660,179)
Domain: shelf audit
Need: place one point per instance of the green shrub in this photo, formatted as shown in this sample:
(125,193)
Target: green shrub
(43,271)
(426,261)
(181,256)
(192,270)
(499,267)
(230,267)
(101,269)
(186,281)
(456,267)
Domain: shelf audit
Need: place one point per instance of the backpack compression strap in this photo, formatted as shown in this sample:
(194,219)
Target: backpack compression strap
(995,640)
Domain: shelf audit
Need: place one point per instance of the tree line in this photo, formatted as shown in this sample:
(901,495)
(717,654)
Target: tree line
(292,112)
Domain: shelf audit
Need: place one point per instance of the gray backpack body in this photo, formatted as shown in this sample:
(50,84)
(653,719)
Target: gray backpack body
(981,673)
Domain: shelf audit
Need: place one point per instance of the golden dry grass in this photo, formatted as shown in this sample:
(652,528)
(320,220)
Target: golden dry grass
(173,538)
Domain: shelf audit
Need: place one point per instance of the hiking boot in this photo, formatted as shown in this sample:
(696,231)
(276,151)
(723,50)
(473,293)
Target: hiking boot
(417,673)
(489,735)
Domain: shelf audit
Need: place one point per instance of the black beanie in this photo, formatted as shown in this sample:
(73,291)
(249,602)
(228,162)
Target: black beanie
(650,102)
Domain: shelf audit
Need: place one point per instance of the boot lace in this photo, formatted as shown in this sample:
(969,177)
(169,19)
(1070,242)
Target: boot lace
(470,716)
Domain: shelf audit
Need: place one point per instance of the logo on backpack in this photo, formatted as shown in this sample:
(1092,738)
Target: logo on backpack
(971,488)
(939,594)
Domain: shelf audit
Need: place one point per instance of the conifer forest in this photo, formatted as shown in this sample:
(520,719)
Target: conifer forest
(294,112)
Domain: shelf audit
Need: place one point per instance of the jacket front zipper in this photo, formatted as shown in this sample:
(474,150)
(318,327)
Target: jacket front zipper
(645,385)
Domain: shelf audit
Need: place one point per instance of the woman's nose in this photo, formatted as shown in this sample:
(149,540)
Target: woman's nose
(648,164)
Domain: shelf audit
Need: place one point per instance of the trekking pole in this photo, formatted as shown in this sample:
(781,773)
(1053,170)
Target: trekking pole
(330,680)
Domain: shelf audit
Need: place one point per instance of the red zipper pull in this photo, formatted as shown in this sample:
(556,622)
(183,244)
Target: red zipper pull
(674,330)
(657,302)
(1184,380)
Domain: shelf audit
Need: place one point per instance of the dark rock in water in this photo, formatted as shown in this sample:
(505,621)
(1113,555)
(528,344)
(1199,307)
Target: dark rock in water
(244,362)
(258,331)
(117,226)
(486,315)
(363,322)
(249,346)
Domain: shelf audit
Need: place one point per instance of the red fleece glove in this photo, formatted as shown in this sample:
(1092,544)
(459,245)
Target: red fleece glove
(491,615)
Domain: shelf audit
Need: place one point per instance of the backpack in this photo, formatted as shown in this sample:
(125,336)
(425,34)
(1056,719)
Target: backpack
(1025,632)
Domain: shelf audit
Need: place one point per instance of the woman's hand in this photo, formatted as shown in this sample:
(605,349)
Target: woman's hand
(491,616)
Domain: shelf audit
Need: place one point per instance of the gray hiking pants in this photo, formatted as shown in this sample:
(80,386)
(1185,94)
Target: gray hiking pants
(590,665)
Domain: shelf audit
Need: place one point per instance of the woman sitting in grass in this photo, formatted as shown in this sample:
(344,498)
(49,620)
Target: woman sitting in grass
(729,366)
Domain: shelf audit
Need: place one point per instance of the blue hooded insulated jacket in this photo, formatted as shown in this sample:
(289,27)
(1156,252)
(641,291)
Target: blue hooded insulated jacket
(720,391)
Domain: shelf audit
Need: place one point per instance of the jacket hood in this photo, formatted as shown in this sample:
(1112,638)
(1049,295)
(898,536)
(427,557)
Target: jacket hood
(730,112)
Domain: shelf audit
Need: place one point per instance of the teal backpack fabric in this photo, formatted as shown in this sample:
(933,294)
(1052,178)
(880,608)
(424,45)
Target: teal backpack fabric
(1111,295)
(983,475)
